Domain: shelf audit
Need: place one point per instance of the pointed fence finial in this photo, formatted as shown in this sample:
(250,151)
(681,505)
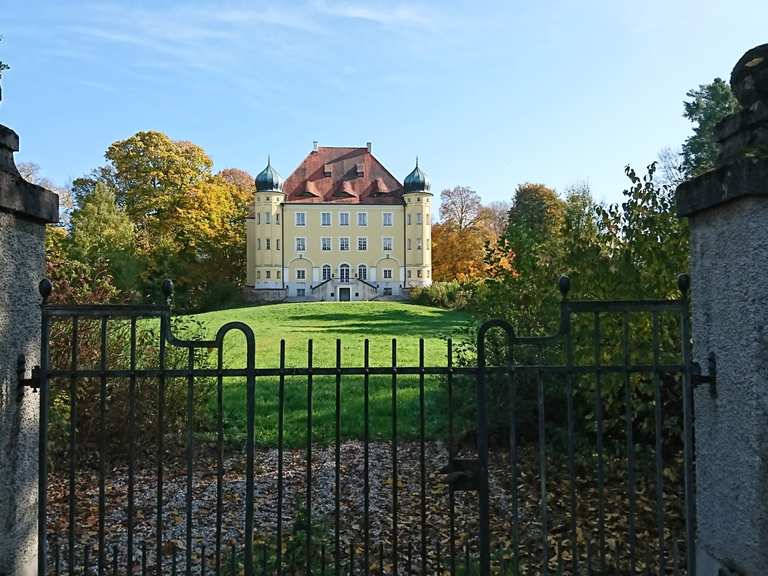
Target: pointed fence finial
(565,285)
(417,161)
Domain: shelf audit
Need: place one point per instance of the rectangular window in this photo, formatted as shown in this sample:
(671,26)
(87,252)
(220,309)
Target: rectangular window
(277,274)
(387,274)
(325,244)
(419,216)
(301,291)
(267,217)
(258,274)
(387,244)
(258,217)
(325,218)
(409,273)
(268,243)
(258,243)
(301,274)
(387,218)
(301,218)
(428,242)
(409,219)
(409,243)
(343,218)
(277,217)
(362,218)
(268,274)
(301,244)
(418,244)
(344,244)
(277,243)
(427,273)
(418,273)
(362,243)
(387,291)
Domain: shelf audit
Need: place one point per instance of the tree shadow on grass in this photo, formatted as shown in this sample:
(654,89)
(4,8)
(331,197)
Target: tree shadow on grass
(399,322)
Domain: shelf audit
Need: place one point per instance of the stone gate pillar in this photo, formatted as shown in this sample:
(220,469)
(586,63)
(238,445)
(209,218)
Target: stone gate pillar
(24,211)
(728,213)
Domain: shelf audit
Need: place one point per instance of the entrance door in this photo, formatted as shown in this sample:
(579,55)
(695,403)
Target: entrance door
(343,294)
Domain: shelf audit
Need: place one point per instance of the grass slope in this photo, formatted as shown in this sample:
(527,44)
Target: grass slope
(352,322)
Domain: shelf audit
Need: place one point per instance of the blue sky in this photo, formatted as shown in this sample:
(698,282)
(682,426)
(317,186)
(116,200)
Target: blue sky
(488,94)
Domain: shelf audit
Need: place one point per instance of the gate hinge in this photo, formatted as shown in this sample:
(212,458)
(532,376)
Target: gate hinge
(21,370)
(698,378)
(462,474)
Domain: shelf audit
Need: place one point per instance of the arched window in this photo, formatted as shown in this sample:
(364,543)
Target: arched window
(326,272)
(362,272)
(344,272)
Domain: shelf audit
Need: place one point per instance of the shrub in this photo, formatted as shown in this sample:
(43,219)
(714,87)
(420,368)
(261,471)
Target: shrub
(453,295)
(88,391)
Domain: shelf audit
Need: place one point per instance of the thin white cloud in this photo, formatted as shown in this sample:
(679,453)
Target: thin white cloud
(408,14)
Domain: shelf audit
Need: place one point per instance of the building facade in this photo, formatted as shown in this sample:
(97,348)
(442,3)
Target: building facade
(340,227)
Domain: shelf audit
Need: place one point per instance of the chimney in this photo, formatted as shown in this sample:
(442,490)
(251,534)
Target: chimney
(314,146)
(368,145)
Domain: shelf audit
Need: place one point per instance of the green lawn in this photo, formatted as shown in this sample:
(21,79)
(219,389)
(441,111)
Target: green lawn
(324,323)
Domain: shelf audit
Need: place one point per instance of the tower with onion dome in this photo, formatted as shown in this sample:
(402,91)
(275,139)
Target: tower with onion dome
(418,229)
(264,233)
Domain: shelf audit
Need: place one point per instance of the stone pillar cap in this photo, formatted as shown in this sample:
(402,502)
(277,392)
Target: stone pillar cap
(16,194)
(742,162)
(749,79)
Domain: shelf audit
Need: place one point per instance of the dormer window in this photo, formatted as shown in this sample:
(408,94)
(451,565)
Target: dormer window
(359,169)
(326,169)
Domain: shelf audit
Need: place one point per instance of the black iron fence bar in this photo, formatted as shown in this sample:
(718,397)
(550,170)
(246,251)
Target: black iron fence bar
(42,455)
(112,311)
(359,371)
(250,444)
(599,441)
(131,443)
(102,445)
(160,453)
(366,479)
(337,479)
(308,551)
(395,557)
(451,454)
(542,469)
(621,306)
(189,457)
(631,488)
(73,445)
(482,437)
(659,422)
(683,283)
(565,328)
(280,442)
(513,465)
(219,461)
(422,460)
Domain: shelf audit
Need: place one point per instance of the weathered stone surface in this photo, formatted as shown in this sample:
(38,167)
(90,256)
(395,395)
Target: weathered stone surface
(16,194)
(749,78)
(744,178)
(728,211)
(729,257)
(24,210)
(21,267)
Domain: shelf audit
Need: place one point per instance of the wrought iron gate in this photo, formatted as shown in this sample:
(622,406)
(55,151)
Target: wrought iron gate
(567,454)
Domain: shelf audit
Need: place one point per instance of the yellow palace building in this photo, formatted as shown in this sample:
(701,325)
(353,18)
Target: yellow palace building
(340,227)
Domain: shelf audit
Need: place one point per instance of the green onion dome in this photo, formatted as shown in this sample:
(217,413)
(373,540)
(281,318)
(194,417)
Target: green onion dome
(269,180)
(417,181)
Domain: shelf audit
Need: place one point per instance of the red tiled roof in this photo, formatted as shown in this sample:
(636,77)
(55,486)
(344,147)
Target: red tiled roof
(345,185)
